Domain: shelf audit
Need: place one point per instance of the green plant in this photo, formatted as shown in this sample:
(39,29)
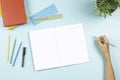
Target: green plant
(106,7)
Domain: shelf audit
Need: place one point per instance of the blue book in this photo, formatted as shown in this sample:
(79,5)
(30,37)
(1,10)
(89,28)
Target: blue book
(50,10)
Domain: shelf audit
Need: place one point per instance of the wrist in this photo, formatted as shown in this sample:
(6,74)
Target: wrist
(107,59)
(106,55)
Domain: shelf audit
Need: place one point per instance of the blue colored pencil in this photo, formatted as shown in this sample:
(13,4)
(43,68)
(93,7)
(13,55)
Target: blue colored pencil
(17,54)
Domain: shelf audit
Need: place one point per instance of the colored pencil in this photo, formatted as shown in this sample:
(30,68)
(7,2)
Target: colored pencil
(17,54)
(13,51)
(8,51)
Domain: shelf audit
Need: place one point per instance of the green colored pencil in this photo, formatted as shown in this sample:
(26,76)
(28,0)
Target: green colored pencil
(13,51)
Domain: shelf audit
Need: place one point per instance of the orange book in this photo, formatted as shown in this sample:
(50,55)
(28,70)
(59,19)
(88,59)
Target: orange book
(13,12)
(0,9)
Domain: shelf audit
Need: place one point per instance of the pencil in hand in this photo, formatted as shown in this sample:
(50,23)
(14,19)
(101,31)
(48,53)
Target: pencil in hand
(94,37)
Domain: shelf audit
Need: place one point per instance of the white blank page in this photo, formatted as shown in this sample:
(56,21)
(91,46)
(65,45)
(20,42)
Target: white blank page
(71,45)
(60,46)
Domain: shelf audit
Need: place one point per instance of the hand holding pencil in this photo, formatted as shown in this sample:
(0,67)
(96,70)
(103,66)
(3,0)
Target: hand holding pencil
(104,46)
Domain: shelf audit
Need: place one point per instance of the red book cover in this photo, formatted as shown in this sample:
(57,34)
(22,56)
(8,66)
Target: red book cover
(13,12)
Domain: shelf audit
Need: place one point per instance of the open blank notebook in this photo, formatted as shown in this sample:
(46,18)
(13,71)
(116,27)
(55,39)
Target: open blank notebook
(58,46)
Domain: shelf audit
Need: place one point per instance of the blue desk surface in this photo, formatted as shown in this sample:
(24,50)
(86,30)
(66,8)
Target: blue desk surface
(74,11)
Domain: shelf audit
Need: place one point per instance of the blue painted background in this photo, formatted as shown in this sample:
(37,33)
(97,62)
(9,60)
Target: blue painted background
(74,11)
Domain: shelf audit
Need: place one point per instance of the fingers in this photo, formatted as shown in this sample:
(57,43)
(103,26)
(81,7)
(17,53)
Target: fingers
(102,40)
(99,42)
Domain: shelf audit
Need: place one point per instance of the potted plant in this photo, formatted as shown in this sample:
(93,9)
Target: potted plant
(106,7)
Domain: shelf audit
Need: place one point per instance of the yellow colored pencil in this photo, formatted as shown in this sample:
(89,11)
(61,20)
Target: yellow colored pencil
(49,17)
(8,51)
